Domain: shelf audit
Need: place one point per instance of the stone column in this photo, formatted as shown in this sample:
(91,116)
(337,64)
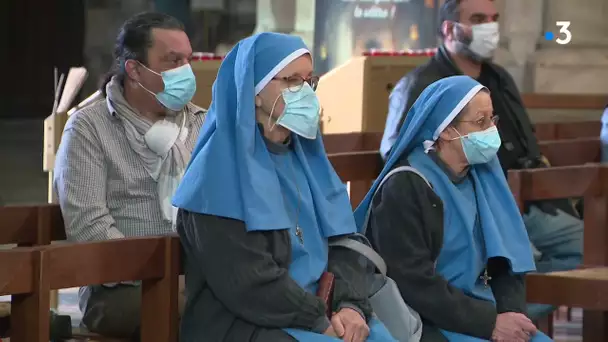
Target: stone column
(521,25)
(287,16)
(581,66)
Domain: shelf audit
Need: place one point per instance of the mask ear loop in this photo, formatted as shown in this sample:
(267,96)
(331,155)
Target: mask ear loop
(459,135)
(152,71)
(429,145)
(272,125)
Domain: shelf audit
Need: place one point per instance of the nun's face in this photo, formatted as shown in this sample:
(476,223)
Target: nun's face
(269,101)
(477,116)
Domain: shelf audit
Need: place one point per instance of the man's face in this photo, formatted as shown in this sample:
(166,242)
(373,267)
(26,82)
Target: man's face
(170,49)
(473,12)
(459,36)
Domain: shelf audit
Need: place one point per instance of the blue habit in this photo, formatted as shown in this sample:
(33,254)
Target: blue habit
(481,219)
(233,174)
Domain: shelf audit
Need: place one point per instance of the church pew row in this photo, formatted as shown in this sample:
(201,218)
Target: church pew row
(97,263)
(68,264)
(29,273)
(17,225)
(586,288)
(370,141)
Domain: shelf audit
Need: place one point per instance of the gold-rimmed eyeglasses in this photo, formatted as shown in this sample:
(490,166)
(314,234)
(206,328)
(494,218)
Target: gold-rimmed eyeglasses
(295,82)
(484,121)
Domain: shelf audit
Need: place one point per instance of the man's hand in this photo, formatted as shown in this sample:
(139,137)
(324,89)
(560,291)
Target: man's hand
(350,326)
(511,326)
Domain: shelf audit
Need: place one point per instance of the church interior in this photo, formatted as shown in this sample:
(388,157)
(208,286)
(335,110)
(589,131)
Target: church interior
(57,54)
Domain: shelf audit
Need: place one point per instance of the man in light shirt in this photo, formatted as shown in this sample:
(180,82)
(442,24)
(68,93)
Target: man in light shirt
(122,157)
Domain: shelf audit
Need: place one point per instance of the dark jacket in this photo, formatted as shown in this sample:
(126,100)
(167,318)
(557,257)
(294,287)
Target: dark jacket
(406,227)
(519,147)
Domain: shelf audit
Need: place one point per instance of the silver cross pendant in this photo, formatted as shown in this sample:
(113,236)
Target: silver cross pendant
(485,277)
(299,234)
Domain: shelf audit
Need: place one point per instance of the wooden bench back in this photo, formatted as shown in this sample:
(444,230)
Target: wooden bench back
(567,130)
(588,181)
(31,225)
(28,274)
(572,151)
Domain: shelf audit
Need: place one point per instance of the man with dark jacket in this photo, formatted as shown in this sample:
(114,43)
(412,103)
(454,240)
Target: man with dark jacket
(470,33)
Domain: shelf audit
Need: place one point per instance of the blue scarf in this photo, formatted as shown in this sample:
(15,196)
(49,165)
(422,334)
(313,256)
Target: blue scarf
(231,173)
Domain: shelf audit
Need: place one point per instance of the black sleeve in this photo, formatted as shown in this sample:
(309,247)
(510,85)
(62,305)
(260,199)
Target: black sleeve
(352,280)
(509,289)
(407,226)
(248,272)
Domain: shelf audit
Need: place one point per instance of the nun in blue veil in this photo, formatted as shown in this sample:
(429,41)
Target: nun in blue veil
(259,203)
(443,218)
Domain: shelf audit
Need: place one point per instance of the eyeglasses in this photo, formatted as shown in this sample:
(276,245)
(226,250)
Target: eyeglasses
(295,82)
(484,121)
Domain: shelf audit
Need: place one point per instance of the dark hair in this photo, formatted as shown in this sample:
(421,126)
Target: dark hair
(135,38)
(450,11)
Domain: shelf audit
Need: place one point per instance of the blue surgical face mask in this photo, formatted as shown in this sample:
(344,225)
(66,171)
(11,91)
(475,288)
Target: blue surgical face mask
(301,114)
(480,147)
(180,86)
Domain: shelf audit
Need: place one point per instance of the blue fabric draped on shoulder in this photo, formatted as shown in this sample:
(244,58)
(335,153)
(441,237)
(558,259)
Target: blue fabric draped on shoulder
(231,173)
(503,233)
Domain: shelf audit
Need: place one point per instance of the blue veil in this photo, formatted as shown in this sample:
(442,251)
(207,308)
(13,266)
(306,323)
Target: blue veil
(503,230)
(231,173)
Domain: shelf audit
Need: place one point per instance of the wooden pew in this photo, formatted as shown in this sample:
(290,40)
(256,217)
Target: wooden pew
(564,101)
(586,288)
(572,152)
(35,226)
(31,225)
(28,274)
(567,130)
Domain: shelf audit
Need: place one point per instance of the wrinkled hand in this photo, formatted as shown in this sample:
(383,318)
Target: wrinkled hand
(330,332)
(350,326)
(512,326)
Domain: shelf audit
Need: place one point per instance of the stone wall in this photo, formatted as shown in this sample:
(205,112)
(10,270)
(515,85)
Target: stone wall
(544,66)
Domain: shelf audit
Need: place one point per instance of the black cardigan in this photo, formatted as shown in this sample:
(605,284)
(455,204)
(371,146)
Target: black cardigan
(406,227)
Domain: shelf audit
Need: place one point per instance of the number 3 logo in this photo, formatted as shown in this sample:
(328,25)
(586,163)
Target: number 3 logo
(563,30)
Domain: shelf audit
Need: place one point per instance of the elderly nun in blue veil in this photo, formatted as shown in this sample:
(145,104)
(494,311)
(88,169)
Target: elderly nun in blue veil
(259,203)
(443,218)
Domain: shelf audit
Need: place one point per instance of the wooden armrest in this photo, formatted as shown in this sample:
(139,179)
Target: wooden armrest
(584,288)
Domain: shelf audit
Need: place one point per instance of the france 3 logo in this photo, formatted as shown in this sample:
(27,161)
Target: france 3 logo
(564,36)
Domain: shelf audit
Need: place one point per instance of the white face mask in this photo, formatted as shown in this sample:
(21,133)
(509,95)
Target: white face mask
(485,39)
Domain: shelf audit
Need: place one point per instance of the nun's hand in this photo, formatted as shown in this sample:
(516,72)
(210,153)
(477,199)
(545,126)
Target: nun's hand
(512,326)
(350,325)
(330,332)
